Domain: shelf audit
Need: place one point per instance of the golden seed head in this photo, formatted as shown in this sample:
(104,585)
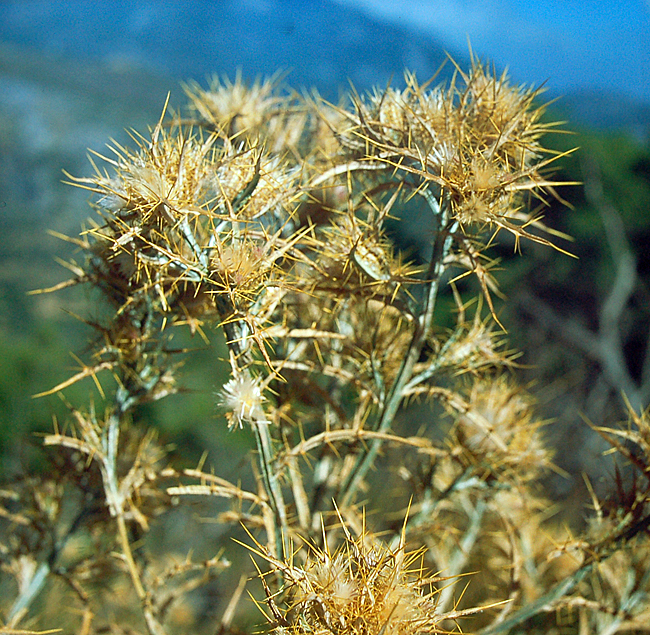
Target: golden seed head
(235,107)
(495,430)
(365,587)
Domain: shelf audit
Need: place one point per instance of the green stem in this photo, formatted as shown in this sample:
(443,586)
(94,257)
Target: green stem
(541,604)
(441,248)
(29,593)
(271,483)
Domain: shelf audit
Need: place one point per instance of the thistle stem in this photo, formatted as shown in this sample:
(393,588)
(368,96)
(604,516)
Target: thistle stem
(441,248)
(541,604)
(271,483)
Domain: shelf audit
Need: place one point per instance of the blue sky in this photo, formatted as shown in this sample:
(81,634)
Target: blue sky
(568,44)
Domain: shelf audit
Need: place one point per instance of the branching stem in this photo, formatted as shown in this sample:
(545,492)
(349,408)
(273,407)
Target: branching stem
(441,248)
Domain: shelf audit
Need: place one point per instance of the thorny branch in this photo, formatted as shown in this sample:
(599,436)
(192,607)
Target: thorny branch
(271,218)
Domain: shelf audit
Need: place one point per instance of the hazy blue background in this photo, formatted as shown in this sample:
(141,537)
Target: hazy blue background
(571,44)
(595,54)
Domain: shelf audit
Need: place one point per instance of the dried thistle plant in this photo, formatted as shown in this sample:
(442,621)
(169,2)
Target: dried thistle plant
(270,218)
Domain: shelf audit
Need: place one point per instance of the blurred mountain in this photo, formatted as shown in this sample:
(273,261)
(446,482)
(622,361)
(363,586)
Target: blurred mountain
(321,43)
(74,75)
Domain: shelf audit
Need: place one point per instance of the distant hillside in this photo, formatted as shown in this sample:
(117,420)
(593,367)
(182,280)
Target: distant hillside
(321,43)
(52,110)
(73,75)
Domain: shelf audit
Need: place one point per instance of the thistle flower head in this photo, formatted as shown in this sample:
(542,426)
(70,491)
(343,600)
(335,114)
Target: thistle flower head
(235,107)
(251,183)
(497,431)
(242,398)
(365,586)
(256,112)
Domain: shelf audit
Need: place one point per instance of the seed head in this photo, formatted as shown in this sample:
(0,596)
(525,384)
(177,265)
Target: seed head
(364,586)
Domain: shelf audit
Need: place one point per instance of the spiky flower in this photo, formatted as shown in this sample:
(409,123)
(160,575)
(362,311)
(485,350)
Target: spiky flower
(259,113)
(364,586)
(235,107)
(270,217)
(242,397)
(496,430)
